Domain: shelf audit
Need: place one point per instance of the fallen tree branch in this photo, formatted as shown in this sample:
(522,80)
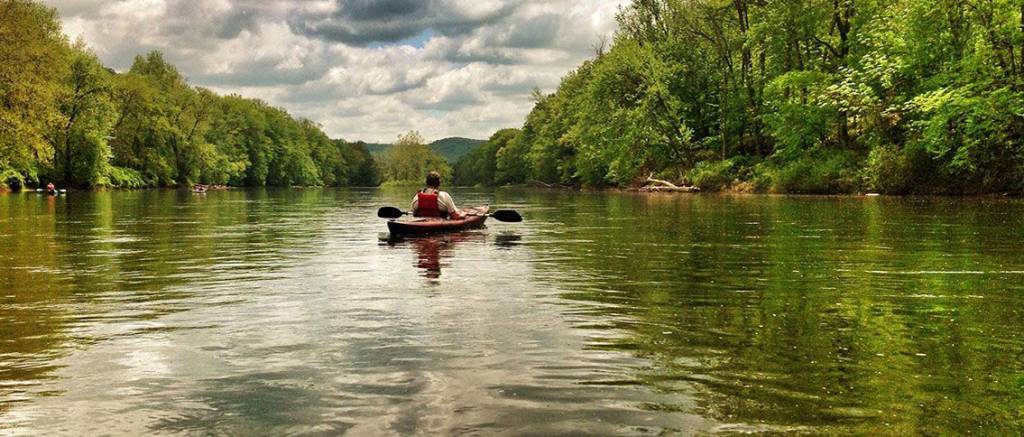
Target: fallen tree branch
(663,185)
(658,189)
(662,182)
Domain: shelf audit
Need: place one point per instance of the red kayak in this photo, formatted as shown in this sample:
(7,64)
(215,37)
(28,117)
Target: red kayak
(420,226)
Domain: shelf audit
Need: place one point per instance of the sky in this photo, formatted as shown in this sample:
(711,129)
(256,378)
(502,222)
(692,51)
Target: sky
(364,69)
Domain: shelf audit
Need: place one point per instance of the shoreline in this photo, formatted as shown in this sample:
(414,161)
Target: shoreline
(740,193)
(619,190)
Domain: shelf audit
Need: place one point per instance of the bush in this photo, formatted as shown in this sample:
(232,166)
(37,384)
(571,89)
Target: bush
(974,136)
(895,170)
(121,177)
(887,171)
(9,178)
(713,175)
(759,179)
(816,174)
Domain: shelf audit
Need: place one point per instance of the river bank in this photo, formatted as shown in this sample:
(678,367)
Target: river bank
(732,190)
(746,188)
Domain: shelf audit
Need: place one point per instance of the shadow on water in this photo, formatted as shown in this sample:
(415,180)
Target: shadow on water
(507,240)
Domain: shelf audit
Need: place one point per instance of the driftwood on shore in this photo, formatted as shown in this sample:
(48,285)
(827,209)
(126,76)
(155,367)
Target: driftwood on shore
(653,186)
(658,185)
(202,188)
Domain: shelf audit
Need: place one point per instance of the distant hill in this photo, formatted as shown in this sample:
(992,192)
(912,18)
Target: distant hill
(455,147)
(377,148)
(451,148)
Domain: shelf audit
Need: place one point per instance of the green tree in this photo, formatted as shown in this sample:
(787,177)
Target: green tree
(133,135)
(365,172)
(409,159)
(81,139)
(33,60)
(479,166)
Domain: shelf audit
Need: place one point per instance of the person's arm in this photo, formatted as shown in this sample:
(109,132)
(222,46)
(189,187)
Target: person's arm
(446,199)
(415,203)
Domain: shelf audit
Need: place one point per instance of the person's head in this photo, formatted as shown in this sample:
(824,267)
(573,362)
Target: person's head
(434,179)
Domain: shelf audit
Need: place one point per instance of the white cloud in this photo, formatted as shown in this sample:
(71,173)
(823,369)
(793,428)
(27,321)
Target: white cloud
(364,69)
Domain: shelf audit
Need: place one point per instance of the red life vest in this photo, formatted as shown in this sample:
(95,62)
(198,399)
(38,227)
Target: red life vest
(426,205)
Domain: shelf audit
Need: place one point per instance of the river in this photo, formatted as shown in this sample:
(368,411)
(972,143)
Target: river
(292,312)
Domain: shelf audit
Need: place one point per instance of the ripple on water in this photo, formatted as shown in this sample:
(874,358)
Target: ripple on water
(284,312)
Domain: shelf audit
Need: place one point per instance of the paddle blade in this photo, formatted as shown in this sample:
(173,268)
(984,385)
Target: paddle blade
(389,212)
(507,215)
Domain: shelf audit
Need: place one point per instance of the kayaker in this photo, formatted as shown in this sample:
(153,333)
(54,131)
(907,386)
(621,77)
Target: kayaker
(51,189)
(432,202)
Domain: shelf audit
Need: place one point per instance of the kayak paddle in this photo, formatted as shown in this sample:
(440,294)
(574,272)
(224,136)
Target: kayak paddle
(502,215)
(390,212)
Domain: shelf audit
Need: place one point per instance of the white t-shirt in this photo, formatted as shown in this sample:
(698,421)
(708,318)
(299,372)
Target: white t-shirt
(444,201)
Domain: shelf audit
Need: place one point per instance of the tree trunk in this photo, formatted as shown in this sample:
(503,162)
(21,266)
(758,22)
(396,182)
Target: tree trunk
(746,71)
(66,143)
(842,13)
(67,162)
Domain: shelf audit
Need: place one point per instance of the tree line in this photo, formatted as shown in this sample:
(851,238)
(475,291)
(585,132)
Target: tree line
(66,118)
(805,96)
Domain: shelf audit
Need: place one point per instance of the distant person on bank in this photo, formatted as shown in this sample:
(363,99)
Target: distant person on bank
(432,202)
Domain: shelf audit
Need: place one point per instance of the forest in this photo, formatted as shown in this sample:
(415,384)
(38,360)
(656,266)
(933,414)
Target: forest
(789,96)
(66,118)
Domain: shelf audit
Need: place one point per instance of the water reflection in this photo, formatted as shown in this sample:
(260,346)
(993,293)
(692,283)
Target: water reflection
(277,311)
(91,267)
(434,251)
(826,314)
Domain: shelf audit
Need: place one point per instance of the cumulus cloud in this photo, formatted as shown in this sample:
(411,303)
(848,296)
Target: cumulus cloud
(363,22)
(364,69)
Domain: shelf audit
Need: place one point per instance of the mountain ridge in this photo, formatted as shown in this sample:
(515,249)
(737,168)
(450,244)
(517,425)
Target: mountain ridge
(451,148)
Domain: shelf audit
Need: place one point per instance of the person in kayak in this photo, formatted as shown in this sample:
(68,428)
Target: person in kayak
(51,189)
(432,202)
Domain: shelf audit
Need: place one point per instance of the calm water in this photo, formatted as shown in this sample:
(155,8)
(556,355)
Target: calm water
(290,312)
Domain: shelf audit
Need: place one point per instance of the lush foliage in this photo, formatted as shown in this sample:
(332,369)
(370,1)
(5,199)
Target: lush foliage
(66,118)
(479,167)
(367,172)
(409,159)
(33,53)
(794,96)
